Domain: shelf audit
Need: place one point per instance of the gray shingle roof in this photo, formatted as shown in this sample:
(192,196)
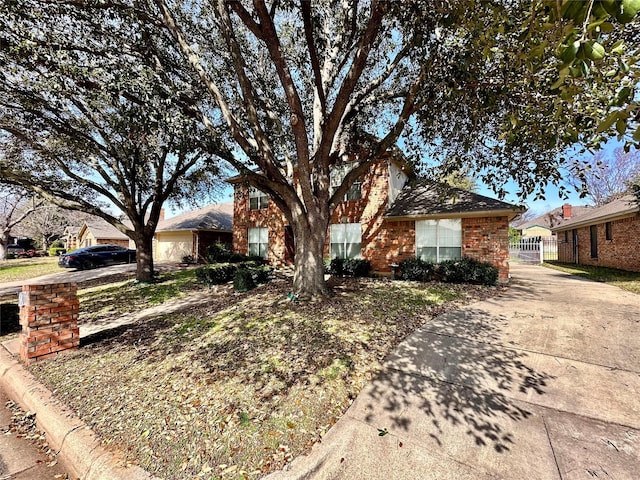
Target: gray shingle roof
(553,218)
(218,216)
(616,208)
(103,230)
(430,199)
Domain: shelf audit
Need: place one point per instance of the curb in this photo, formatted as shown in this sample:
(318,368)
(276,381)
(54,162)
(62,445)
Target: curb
(77,445)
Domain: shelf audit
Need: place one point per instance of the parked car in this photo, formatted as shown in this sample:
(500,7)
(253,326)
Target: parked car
(14,249)
(97,256)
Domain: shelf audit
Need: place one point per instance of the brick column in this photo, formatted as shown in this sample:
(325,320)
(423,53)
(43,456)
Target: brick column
(49,319)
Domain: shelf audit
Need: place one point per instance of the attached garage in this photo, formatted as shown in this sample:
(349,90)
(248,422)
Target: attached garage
(189,234)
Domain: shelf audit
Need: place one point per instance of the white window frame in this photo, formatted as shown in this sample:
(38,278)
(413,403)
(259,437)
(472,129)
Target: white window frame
(262,199)
(262,234)
(336,177)
(439,240)
(345,235)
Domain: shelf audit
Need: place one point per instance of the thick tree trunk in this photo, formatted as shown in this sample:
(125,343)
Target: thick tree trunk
(144,258)
(4,241)
(308,274)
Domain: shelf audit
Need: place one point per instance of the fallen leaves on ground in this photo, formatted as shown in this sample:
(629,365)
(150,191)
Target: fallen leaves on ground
(239,387)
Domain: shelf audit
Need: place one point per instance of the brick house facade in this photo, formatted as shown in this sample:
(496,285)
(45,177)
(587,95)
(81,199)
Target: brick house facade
(381,219)
(606,236)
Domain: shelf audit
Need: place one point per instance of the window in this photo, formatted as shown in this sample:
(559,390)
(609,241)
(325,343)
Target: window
(258,242)
(439,240)
(346,240)
(257,199)
(594,241)
(607,231)
(337,175)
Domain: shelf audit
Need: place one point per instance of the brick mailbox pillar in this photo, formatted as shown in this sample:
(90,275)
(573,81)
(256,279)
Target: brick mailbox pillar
(49,319)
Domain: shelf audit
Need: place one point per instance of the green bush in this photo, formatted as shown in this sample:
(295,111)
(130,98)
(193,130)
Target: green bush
(349,267)
(215,275)
(336,267)
(57,251)
(356,267)
(468,270)
(416,269)
(243,280)
(219,253)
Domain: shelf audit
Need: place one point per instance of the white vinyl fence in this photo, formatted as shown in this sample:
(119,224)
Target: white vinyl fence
(534,249)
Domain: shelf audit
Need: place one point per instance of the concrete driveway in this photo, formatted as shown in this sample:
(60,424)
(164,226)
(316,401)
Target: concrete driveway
(542,382)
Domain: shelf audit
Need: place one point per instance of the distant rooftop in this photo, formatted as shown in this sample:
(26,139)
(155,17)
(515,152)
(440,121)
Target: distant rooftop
(622,206)
(554,217)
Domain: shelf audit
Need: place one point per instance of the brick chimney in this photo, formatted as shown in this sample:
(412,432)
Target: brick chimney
(566,211)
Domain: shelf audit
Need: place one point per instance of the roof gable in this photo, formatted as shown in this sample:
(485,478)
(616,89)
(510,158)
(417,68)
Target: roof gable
(431,199)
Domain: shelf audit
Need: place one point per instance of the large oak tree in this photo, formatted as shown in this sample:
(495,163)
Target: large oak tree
(498,87)
(93,119)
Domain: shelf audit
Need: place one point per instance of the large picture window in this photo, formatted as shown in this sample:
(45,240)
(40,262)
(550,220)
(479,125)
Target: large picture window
(337,175)
(346,240)
(439,240)
(258,242)
(257,199)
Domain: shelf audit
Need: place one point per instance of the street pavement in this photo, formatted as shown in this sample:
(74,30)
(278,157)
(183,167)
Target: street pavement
(20,459)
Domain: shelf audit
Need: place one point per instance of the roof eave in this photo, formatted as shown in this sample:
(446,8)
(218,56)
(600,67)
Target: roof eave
(602,218)
(477,214)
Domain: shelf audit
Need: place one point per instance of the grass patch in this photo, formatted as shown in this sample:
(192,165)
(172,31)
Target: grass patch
(629,281)
(114,299)
(239,387)
(26,268)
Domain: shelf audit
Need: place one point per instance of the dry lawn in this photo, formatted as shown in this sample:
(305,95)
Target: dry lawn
(238,388)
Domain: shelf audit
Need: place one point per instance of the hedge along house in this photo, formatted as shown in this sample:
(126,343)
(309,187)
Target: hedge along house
(383,218)
(607,236)
(189,234)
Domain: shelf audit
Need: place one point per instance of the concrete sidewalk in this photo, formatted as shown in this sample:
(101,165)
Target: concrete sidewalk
(542,382)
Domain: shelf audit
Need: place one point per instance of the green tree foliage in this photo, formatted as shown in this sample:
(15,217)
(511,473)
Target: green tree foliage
(295,86)
(94,116)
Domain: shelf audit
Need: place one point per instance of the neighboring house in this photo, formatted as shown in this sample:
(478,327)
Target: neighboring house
(542,226)
(97,231)
(190,233)
(384,218)
(608,236)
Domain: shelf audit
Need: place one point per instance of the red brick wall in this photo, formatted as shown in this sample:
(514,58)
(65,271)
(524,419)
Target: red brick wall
(270,217)
(384,242)
(487,239)
(619,252)
(49,319)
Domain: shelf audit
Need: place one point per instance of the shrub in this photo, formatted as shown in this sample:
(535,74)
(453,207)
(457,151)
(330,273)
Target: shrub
(215,275)
(188,259)
(416,269)
(356,267)
(468,270)
(219,253)
(57,251)
(243,280)
(260,273)
(336,267)
(349,267)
